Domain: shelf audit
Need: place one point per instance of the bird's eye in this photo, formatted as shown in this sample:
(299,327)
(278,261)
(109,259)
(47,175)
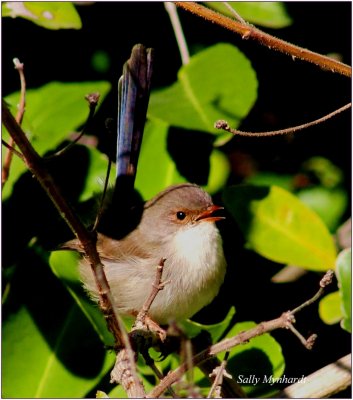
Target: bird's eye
(180,215)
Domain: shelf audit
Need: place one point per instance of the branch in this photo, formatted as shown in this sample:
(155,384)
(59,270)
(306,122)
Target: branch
(323,383)
(221,124)
(285,321)
(156,287)
(178,31)
(19,117)
(36,165)
(273,43)
(218,374)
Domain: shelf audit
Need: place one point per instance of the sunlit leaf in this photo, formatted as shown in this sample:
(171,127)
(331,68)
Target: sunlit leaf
(219,172)
(271,14)
(53,111)
(50,15)
(218,83)
(344,276)
(330,308)
(156,169)
(278,226)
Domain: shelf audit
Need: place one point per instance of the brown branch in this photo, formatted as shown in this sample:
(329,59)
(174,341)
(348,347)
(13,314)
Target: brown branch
(323,383)
(36,165)
(285,321)
(156,287)
(219,373)
(221,124)
(19,117)
(12,149)
(251,32)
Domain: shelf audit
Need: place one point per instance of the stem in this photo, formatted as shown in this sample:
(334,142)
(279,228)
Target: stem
(221,124)
(250,32)
(19,117)
(178,31)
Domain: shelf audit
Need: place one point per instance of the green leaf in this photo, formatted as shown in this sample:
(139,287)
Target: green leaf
(261,356)
(33,369)
(53,111)
(326,172)
(64,264)
(270,14)
(344,276)
(278,226)
(265,178)
(190,103)
(330,308)
(50,15)
(156,169)
(219,172)
(329,204)
(96,174)
(216,331)
(49,348)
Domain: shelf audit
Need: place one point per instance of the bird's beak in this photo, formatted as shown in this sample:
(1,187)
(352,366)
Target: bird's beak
(207,215)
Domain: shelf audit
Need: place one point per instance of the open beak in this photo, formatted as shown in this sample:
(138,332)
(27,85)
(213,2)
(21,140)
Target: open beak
(207,215)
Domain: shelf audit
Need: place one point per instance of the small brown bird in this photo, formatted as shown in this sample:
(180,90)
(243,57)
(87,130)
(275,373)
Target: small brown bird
(179,225)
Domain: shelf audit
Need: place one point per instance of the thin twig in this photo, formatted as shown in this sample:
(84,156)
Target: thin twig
(22,105)
(102,199)
(325,281)
(235,13)
(150,362)
(156,287)
(19,117)
(251,32)
(178,31)
(12,149)
(285,321)
(36,165)
(218,373)
(221,124)
(92,99)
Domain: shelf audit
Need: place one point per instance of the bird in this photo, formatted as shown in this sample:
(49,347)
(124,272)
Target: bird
(178,225)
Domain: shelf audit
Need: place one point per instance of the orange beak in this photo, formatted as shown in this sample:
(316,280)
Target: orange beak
(207,215)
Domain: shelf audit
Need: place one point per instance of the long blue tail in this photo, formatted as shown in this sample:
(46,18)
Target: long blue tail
(133,92)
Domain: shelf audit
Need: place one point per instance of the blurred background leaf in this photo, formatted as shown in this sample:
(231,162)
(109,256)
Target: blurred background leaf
(49,15)
(344,276)
(270,14)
